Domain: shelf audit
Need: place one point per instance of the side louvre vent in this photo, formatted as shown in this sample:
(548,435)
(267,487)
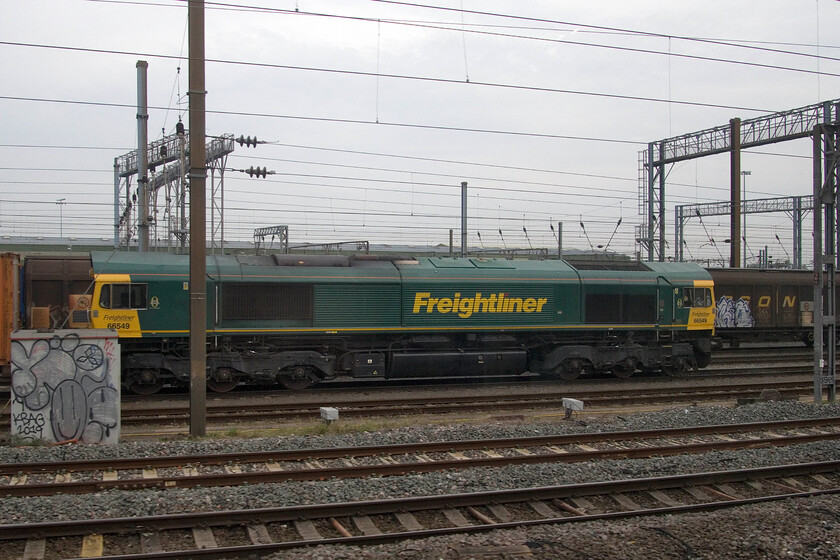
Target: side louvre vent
(357,306)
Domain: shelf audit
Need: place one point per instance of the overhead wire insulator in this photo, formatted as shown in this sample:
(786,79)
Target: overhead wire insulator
(247,141)
(258,171)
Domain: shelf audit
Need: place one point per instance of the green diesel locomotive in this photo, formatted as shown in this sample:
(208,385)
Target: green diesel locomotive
(299,319)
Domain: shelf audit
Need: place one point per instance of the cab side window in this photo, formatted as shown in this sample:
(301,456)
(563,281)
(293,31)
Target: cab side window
(697,297)
(105,297)
(124,296)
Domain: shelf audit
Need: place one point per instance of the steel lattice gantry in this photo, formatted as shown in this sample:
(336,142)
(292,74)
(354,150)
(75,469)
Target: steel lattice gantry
(732,138)
(280,232)
(168,219)
(794,206)
(822,123)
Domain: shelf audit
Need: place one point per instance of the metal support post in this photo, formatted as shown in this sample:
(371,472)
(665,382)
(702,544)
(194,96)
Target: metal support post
(825,262)
(198,222)
(651,178)
(679,225)
(464,219)
(797,233)
(829,192)
(560,240)
(116,204)
(660,253)
(819,279)
(142,158)
(735,193)
(182,187)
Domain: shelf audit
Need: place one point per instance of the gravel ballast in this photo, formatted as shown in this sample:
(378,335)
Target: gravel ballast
(806,528)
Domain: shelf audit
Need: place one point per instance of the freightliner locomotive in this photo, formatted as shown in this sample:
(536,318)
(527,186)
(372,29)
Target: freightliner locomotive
(296,320)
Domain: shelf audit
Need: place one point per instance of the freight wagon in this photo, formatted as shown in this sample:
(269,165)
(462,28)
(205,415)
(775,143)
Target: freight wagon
(757,305)
(38,292)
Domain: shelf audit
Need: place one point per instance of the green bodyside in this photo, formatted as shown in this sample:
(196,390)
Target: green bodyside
(476,293)
(429,294)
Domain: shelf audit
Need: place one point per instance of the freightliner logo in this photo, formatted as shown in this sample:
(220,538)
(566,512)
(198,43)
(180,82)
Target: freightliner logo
(465,307)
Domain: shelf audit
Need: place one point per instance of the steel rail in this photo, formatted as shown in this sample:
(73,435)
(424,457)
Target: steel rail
(289,514)
(407,466)
(118,463)
(428,404)
(725,366)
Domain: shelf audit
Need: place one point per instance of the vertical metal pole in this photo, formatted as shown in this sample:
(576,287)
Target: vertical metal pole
(797,232)
(182,193)
(61,204)
(650,215)
(560,240)
(735,193)
(213,209)
(744,217)
(819,277)
(829,188)
(661,250)
(142,158)
(116,203)
(222,208)
(678,233)
(464,219)
(198,223)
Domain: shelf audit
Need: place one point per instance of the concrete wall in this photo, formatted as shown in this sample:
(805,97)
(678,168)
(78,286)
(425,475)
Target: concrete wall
(65,386)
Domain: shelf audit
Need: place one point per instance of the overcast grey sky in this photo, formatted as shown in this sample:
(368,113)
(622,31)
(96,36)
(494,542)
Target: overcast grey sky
(376,111)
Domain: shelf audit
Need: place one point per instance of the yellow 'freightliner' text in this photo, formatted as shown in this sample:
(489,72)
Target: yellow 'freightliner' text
(464,307)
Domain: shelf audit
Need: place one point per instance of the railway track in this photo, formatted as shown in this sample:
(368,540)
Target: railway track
(256,532)
(78,477)
(271,408)
(722,360)
(232,408)
(172,411)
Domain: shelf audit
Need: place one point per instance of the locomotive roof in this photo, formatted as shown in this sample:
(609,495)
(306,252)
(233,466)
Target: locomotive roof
(124,262)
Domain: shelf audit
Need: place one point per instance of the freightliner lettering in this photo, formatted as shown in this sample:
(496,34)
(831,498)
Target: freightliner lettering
(465,307)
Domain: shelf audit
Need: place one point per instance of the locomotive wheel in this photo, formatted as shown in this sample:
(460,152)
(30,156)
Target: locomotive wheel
(625,368)
(222,381)
(145,382)
(569,370)
(676,366)
(670,368)
(296,378)
(702,360)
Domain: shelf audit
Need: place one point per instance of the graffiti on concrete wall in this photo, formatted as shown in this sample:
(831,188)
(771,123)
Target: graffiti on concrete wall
(65,387)
(733,314)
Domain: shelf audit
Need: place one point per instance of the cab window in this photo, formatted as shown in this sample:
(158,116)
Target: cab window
(697,297)
(124,296)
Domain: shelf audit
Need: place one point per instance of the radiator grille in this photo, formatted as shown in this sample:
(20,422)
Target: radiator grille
(265,302)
